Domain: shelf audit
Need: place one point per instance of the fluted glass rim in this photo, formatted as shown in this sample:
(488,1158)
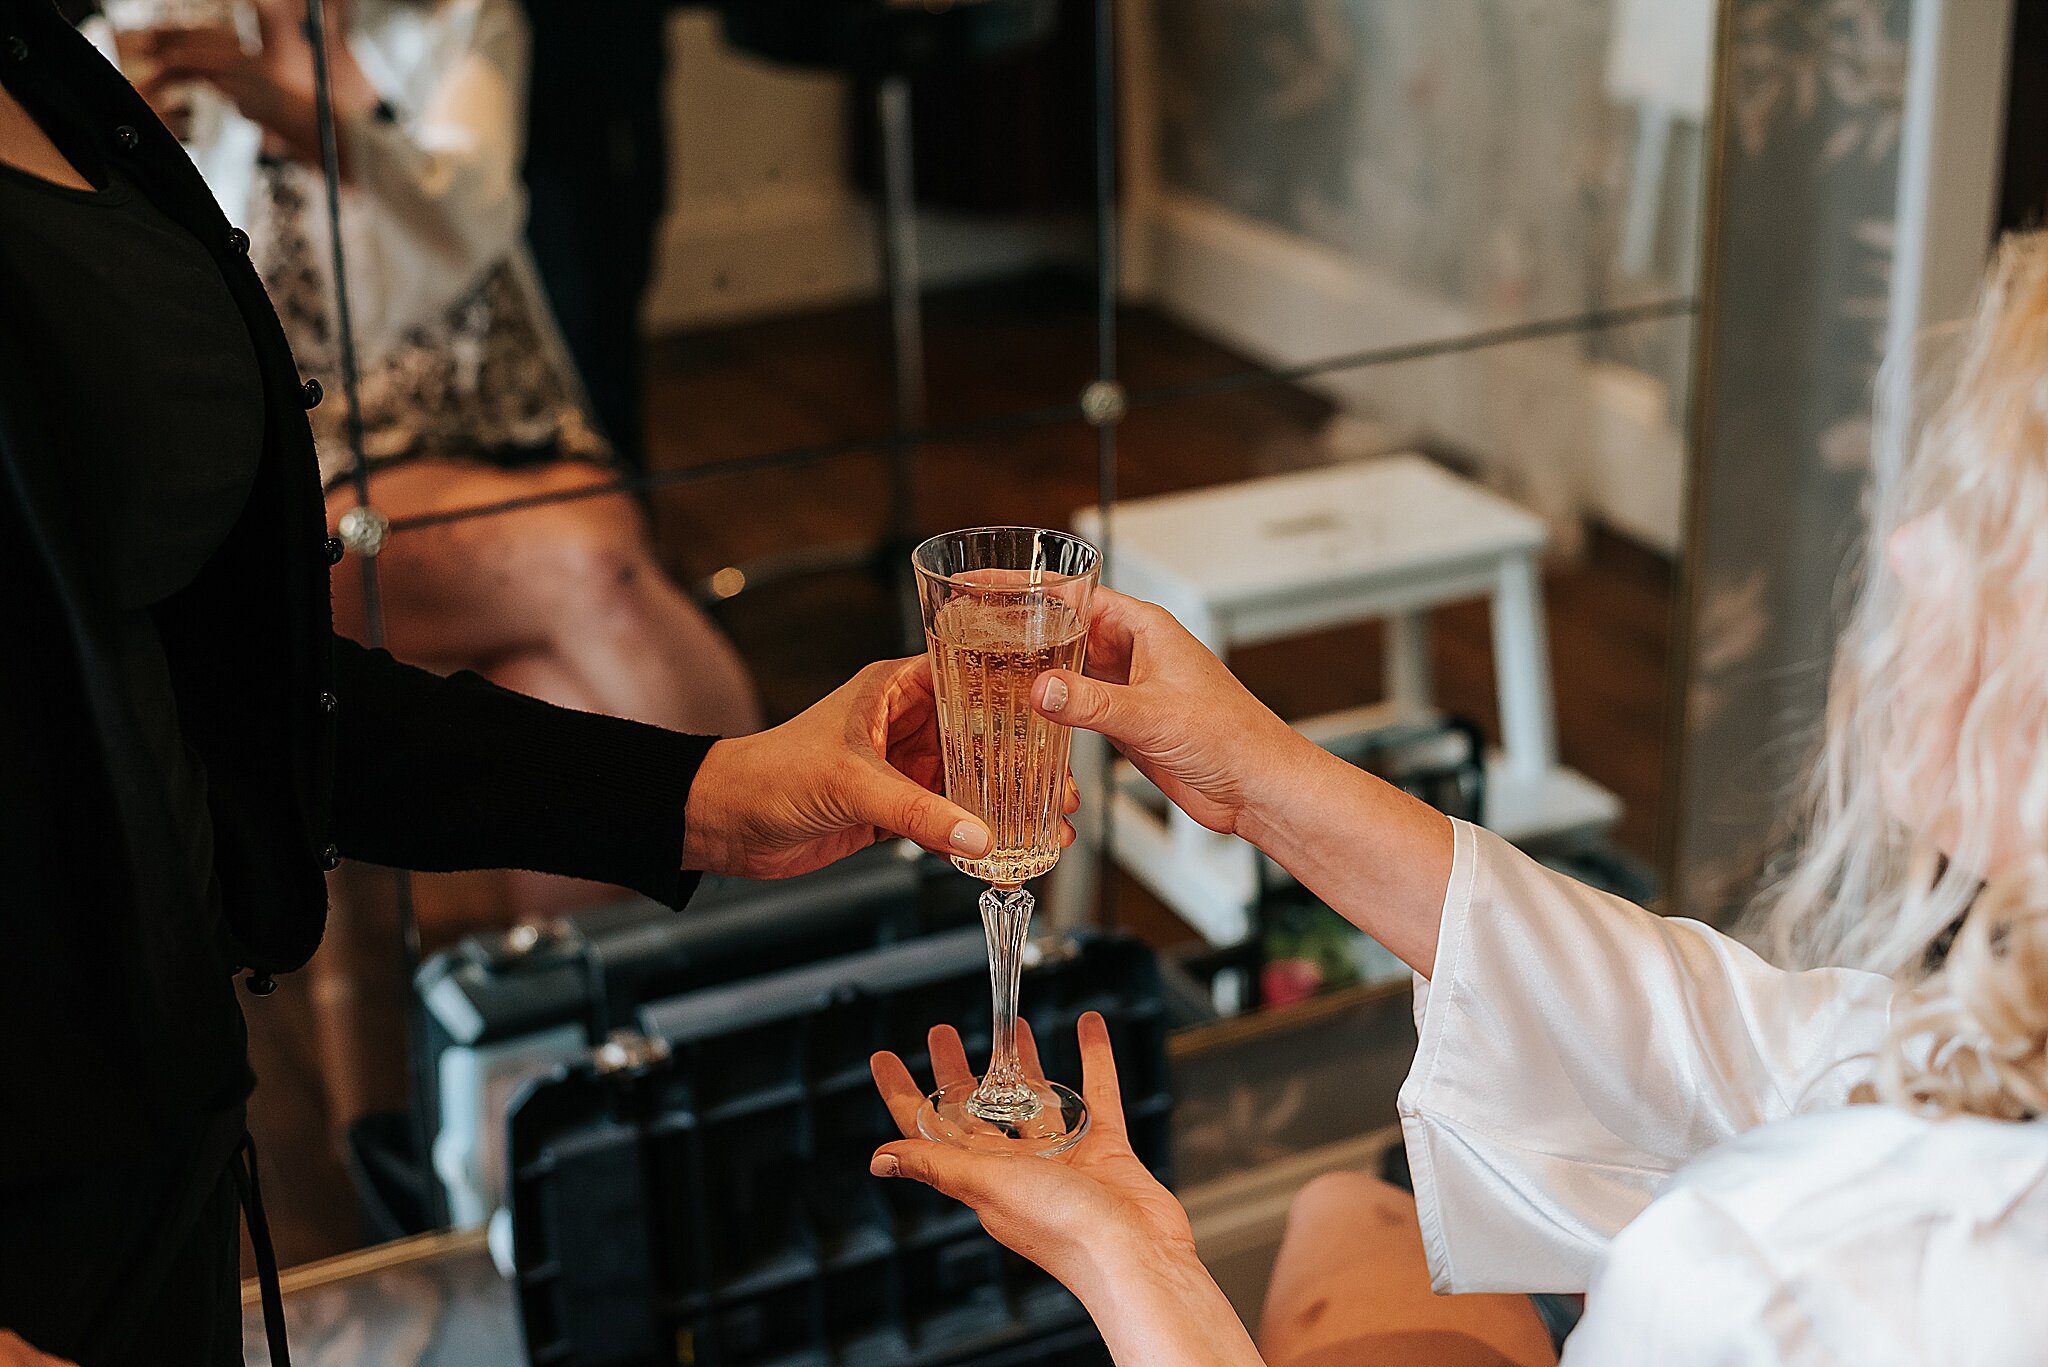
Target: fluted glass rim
(961,579)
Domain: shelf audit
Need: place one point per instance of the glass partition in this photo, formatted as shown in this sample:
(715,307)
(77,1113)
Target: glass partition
(1010,271)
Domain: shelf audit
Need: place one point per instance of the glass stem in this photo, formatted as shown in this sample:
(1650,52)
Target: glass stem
(1004,1094)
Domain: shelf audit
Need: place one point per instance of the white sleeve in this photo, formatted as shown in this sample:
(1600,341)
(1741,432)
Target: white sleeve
(1576,1050)
(100,34)
(435,197)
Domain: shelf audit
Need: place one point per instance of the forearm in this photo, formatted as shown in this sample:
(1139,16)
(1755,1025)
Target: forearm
(1379,858)
(440,773)
(292,119)
(1157,1311)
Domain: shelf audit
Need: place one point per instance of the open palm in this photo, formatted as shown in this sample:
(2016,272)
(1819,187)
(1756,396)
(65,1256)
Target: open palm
(1055,1211)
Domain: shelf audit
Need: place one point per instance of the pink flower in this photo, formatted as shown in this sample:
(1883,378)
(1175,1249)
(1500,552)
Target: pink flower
(1287,981)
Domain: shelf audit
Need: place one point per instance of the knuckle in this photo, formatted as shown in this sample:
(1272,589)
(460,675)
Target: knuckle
(850,776)
(921,809)
(1104,705)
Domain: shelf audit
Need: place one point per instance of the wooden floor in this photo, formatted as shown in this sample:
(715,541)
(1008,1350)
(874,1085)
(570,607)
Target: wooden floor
(823,378)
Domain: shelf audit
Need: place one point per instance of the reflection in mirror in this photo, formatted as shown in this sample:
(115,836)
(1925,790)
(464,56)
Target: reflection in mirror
(1356,214)
(1320,189)
(1338,176)
(1388,394)
(901,188)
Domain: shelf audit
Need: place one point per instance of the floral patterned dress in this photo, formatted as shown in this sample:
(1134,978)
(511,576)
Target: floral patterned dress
(484,381)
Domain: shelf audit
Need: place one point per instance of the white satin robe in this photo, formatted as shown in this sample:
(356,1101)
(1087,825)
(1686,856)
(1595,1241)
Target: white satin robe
(1609,1101)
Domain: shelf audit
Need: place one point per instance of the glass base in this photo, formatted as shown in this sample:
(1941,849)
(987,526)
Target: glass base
(1054,1126)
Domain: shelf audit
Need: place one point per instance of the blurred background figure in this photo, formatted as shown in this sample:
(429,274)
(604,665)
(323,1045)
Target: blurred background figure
(469,396)
(597,175)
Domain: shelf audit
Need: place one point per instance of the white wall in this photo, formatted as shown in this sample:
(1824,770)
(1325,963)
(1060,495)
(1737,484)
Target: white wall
(762,218)
(1564,435)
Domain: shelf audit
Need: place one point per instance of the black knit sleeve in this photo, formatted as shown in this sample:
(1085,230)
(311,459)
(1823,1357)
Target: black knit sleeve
(441,773)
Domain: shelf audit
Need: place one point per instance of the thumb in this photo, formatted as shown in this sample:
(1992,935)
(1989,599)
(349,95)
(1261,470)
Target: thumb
(892,802)
(974,1179)
(1073,699)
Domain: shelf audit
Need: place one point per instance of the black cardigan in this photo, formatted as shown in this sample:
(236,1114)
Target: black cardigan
(314,747)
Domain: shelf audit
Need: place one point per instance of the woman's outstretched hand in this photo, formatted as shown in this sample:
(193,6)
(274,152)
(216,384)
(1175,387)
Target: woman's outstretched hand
(16,1353)
(1177,712)
(1065,1214)
(1379,857)
(1092,1217)
(858,766)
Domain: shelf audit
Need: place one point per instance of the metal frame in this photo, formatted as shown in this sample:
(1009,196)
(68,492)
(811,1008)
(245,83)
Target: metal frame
(1949,169)
(362,1262)
(1699,437)
(1104,405)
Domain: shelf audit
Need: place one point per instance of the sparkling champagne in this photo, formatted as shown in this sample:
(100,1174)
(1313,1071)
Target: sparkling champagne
(1004,762)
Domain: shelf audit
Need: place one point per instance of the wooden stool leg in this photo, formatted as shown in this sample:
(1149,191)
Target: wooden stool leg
(1410,684)
(1521,662)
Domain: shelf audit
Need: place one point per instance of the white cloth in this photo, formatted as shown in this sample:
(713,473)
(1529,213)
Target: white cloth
(1661,54)
(435,198)
(458,351)
(1607,1099)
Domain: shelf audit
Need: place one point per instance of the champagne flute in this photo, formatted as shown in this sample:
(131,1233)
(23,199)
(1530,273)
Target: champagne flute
(1001,606)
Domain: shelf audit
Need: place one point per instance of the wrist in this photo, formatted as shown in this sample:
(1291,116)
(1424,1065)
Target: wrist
(295,118)
(1290,772)
(289,119)
(707,834)
(1159,1305)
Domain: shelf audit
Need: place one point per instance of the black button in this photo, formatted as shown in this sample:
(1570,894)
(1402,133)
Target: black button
(239,240)
(328,702)
(127,138)
(259,984)
(334,550)
(312,393)
(17,49)
(330,858)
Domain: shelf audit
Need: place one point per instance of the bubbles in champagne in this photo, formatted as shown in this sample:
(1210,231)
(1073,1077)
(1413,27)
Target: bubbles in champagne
(1004,762)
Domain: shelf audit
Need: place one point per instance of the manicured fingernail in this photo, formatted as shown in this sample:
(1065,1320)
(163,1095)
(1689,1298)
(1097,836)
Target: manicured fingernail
(884,1165)
(1055,694)
(969,838)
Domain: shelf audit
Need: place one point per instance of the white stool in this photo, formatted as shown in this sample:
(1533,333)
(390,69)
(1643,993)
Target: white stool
(1238,564)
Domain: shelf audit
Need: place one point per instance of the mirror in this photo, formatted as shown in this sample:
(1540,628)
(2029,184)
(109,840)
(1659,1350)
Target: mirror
(1397,301)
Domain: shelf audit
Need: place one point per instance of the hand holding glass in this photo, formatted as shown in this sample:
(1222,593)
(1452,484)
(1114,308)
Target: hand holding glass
(194,111)
(1001,606)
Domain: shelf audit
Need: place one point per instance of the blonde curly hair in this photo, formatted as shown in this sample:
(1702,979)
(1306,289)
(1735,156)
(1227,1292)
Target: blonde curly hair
(1926,825)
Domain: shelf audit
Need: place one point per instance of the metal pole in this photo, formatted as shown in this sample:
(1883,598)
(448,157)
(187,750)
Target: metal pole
(898,233)
(1958,64)
(1106,278)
